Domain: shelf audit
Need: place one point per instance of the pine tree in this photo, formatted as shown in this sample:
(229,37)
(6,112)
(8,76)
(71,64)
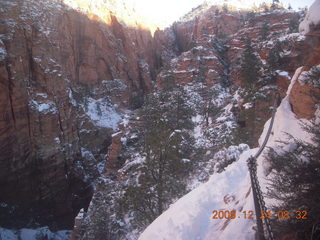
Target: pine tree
(225,8)
(274,57)
(264,31)
(296,186)
(264,7)
(294,24)
(275,4)
(312,78)
(168,145)
(251,18)
(250,65)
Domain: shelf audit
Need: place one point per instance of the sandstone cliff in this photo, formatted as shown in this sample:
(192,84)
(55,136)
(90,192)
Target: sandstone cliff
(66,77)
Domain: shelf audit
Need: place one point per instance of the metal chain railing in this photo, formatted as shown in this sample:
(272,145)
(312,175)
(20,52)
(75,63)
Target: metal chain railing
(263,220)
(260,206)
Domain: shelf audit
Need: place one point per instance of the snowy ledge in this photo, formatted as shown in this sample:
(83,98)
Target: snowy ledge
(190,217)
(312,18)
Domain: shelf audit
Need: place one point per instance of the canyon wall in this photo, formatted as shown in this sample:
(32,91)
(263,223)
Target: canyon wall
(66,78)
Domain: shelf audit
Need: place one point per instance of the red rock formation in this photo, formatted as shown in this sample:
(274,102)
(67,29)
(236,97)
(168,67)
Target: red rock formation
(52,59)
(304,99)
(114,151)
(55,58)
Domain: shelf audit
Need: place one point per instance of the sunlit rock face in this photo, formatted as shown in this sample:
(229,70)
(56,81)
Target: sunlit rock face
(128,12)
(66,75)
(70,69)
(304,97)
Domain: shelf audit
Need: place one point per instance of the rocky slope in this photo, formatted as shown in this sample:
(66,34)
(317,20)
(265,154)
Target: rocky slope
(66,77)
(193,215)
(75,75)
(209,50)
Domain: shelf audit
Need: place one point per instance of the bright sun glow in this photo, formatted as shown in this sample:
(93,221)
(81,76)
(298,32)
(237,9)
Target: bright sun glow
(152,14)
(168,11)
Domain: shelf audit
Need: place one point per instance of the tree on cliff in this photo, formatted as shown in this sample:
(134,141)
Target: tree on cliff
(250,65)
(220,46)
(167,148)
(264,31)
(296,186)
(294,23)
(274,57)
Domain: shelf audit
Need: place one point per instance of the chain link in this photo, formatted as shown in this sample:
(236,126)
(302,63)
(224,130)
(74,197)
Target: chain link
(256,190)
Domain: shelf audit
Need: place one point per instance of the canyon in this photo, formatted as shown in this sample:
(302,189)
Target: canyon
(75,75)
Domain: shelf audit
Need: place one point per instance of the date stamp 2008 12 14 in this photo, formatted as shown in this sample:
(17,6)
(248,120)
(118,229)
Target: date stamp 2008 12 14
(283,214)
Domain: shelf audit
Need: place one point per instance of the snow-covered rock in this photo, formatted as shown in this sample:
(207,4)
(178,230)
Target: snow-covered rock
(312,18)
(190,217)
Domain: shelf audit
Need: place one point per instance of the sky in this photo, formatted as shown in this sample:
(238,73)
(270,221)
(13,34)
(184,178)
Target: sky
(169,11)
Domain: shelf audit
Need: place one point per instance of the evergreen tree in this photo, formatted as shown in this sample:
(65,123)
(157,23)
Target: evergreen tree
(274,56)
(264,31)
(264,6)
(251,18)
(296,186)
(225,8)
(275,4)
(312,77)
(168,145)
(250,65)
(294,24)
(221,48)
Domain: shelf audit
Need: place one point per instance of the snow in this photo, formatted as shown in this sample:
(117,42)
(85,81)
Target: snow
(72,100)
(102,113)
(85,153)
(33,234)
(247,105)
(3,52)
(137,160)
(210,57)
(80,214)
(43,95)
(37,59)
(116,134)
(291,37)
(285,120)
(311,19)
(305,79)
(6,234)
(125,120)
(185,160)
(282,73)
(189,217)
(48,107)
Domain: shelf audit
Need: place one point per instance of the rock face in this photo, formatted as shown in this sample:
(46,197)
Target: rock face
(305,97)
(209,49)
(62,74)
(68,76)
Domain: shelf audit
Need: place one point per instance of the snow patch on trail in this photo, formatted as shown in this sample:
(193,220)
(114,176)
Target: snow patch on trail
(190,217)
